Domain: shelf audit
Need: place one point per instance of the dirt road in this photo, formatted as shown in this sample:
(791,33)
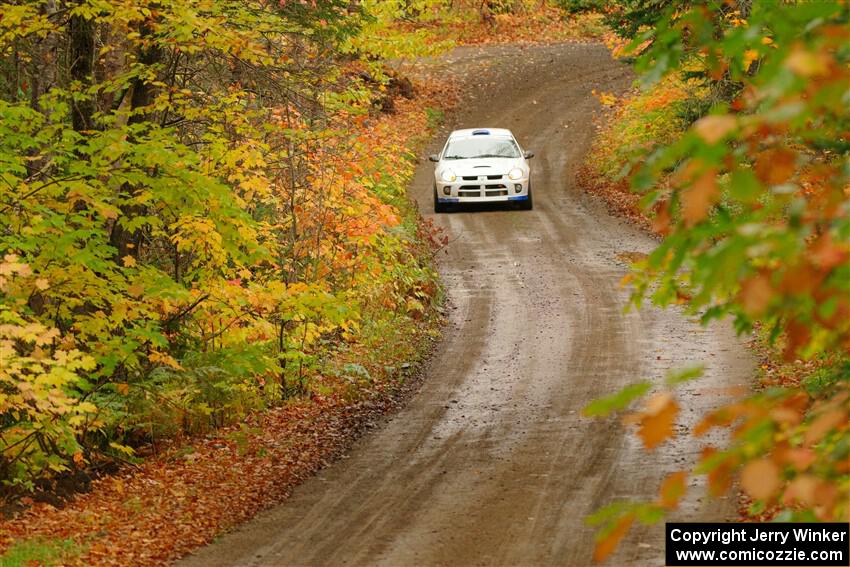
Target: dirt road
(491,462)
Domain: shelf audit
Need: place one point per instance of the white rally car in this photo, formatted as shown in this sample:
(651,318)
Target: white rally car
(481,165)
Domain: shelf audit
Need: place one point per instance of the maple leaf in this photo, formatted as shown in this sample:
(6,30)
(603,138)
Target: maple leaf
(800,458)
(801,279)
(699,196)
(609,541)
(720,471)
(657,419)
(808,63)
(715,127)
(797,335)
(662,218)
(672,489)
(760,479)
(824,423)
(827,254)
(756,294)
(801,490)
(775,166)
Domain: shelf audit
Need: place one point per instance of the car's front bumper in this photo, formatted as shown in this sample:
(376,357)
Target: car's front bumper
(481,199)
(482,190)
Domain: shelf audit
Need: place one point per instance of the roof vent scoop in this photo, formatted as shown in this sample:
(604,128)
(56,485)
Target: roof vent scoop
(481,132)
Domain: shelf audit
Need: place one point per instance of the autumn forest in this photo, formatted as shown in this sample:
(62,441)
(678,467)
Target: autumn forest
(220,265)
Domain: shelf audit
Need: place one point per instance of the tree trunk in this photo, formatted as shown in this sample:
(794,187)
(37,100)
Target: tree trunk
(82,32)
(127,242)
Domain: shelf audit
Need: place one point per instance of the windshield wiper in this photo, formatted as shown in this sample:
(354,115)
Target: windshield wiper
(453,157)
(492,156)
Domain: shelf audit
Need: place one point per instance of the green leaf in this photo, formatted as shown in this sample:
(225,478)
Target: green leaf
(676,377)
(604,406)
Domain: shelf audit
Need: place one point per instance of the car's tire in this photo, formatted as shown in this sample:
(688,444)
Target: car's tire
(438,206)
(528,204)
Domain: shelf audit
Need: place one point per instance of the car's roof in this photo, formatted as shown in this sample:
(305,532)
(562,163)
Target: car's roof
(469,132)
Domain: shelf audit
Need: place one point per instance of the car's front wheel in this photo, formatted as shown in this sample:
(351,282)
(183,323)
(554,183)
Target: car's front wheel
(527,204)
(438,206)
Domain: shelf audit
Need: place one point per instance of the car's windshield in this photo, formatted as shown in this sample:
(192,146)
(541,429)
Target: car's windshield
(481,147)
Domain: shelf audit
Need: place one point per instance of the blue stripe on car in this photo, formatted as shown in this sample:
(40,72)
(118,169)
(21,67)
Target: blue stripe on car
(518,198)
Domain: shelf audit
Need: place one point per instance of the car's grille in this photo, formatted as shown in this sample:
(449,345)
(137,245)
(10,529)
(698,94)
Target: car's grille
(475,177)
(488,190)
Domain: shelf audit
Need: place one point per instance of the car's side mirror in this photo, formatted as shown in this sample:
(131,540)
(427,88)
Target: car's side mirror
(528,155)
(434,157)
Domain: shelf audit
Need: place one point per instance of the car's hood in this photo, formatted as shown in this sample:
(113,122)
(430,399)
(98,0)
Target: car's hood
(481,166)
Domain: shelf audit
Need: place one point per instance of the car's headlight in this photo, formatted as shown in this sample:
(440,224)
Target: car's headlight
(448,175)
(516,173)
